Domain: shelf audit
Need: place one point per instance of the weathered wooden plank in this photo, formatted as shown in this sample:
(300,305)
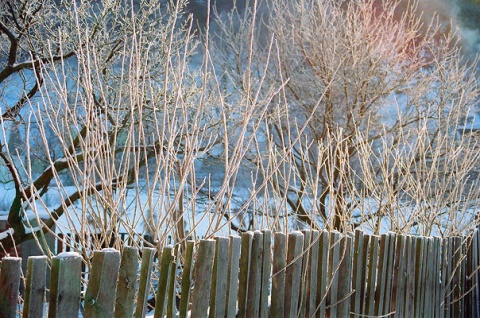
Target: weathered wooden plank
(171,292)
(458,274)
(165,274)
(10,274)
(345,277)
(203,278)
(333,267)
(380,290)
(388,308)
(446,257)
(307,238)
(186,280)
(410,274)
(476,297)
(373,247)
(127,283)
(102,284)
(279,264)
(148,254)
(312,274)
(247,239)
(358,279)
(65,284)
(293,273)
(421,263)
(323,281)
(35,286)
(255,276)
(218,294)
(473,263)
(233,272)
(266,272)
(400,279)
(449,267)
(431,278)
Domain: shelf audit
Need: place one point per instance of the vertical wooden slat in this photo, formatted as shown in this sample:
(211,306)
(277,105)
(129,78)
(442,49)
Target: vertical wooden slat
(372,275)
(144,281)
(463,291)
(65,284)
(345,277)
(293,273)
(380,289)
(218,294)
(102,283)
(323,281)
(410,274)
(255,276)
(266,272)
(390,274)
(10,274)
(35,286)
(312,274)
(233,270)
(421,263)
(448,275)
(334,265)
(247,239)
(401,275)
(186,280)
(302,308)
(442,290)
(165,274)
(278,275)
(358,279)
(171,292)
(473,263)
(127,283)
(203,278)
(457,277)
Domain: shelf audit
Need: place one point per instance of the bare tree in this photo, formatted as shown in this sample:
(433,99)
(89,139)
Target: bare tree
(365,126)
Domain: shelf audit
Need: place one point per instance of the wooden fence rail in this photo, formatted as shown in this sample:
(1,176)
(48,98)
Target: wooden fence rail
(302,274)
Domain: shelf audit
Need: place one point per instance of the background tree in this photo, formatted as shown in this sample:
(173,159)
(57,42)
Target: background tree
(366,123)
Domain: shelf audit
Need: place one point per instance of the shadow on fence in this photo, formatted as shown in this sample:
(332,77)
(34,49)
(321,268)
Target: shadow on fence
(302,274)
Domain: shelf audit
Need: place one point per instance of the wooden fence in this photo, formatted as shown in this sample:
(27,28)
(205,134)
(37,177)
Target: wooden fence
(302,274)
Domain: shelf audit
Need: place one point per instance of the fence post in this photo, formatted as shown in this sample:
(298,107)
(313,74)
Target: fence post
(219,278)
(293,275)
(266,265)
(203,278)
(35,286)
(9,286)
(233,270)
(186,279)
(247,239)
(65,285)
(345,278)
(279,264)
(102,283)
(164,276)
(127,283)
(255,276)
(359,272)
(144,282)
(312,277)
